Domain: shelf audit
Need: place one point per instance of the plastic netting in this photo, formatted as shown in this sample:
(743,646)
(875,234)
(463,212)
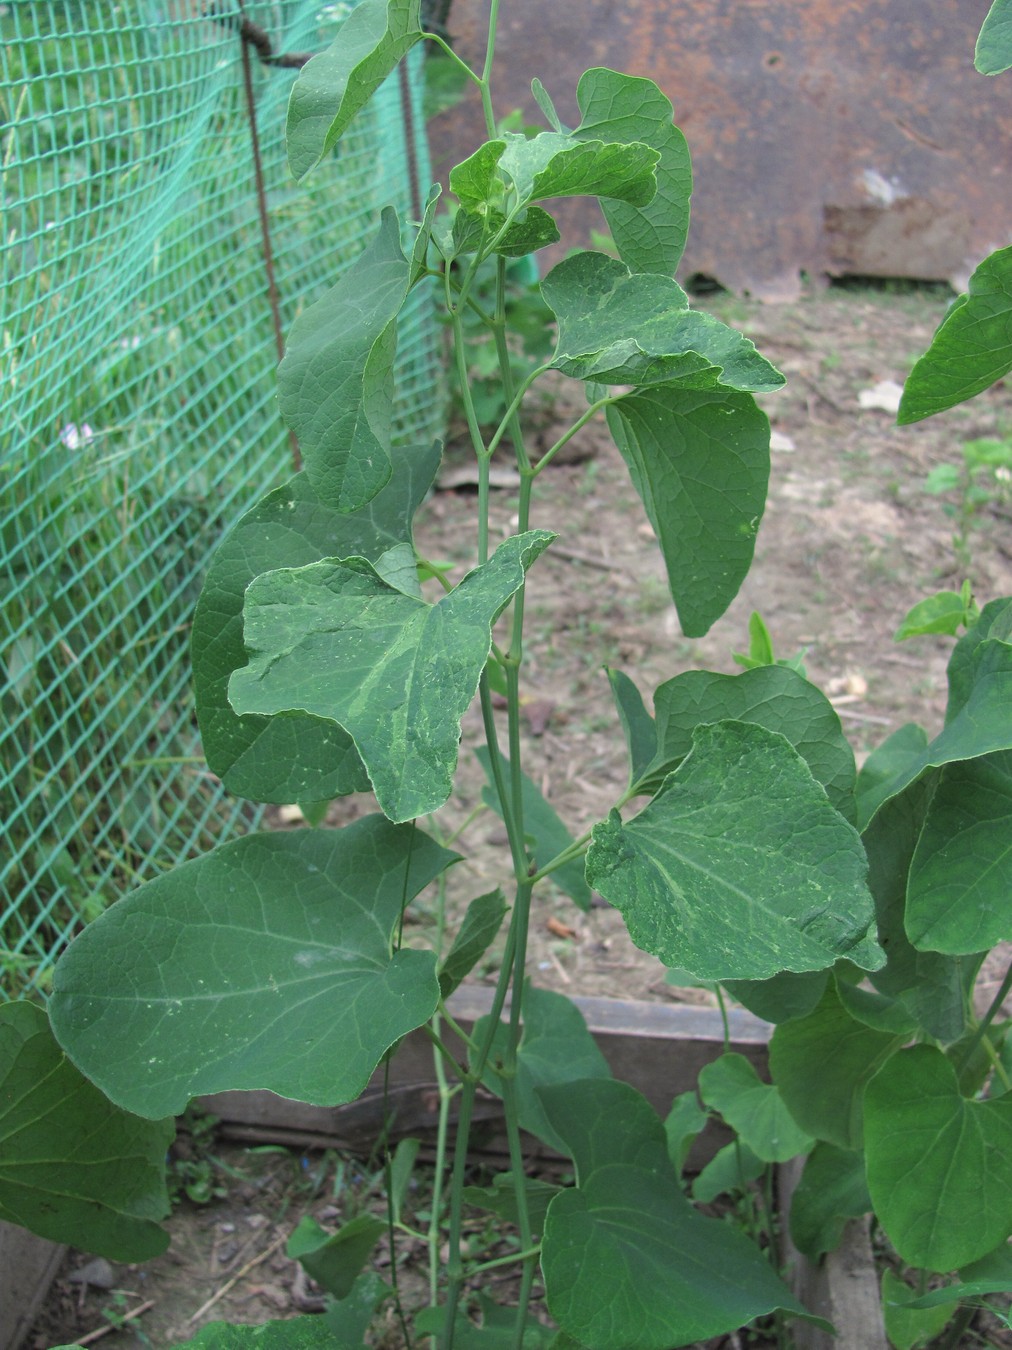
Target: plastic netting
(137,408)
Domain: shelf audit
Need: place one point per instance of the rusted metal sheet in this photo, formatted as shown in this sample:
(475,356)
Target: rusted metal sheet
(828,136)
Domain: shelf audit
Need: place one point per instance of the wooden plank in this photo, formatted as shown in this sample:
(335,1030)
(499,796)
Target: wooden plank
(657,1047)
(842,1287)
(28,1266)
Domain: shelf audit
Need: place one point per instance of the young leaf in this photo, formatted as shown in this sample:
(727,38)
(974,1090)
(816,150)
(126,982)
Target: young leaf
(623,327)
(909,1328)
(754,1109)
(285,759)
(972,347)
(730,1169)
(335,384)
(336,84)
(774,697)
(556,1049)
(546,831)
(682,1125)
(977,721)
(554,165)
(887,762)
(501,1199)
(821,1064)
(477,933)
(333,639)
(931,986)
(627,1261)
(637,724)
(335,1260)
(993,53)
(944,612)
(699,456)
(782,997)
(760,645)
(348,1318)
(600,1121)
(265,964)
(475,183)
(832,1190)
(74,1167)
(544,102)
(959,893)
(423,236)
(740,867)
(992,1274)
(618,107)
(939,1166)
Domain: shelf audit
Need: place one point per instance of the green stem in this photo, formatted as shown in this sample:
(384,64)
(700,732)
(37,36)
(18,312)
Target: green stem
(723,1017)
(509,1097)
(571,851)
(514,405)
(578,425)
(486,74)
(454,1264)
(445,46)
(986,1020)
(952,1339)
(497,1261)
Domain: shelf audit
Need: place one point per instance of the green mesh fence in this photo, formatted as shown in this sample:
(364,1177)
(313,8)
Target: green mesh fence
(137,408)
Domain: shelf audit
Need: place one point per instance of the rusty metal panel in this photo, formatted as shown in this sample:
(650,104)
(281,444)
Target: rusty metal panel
(828,136)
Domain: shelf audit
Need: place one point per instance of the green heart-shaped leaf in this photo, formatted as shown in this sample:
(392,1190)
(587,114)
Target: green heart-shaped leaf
(335,640)
(74,1167)
(602,1121)
(619,107)
(972,347)
(931,986)
(475,183)
(770,696)
(699,460)
(627,1261)
(557,165)
(740,867)
(909,1328)
(977,721)
(268,963)
(832,1190)
(959,895)
(622,327)
(335,384)
(295,757)
(939,1166)
(333,86)
(822,1063)
(755,1110)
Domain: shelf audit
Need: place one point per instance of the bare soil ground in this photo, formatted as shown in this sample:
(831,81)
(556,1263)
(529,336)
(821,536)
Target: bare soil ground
(849,542)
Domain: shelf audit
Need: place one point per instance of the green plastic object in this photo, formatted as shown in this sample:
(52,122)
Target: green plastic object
(138,408)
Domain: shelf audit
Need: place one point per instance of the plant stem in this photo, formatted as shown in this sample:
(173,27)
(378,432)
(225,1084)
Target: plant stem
(573,850)
(578,425)
(486,74)
(986,1020)
(509,1096)
(952,1338)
